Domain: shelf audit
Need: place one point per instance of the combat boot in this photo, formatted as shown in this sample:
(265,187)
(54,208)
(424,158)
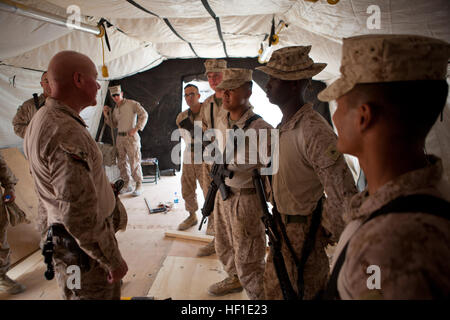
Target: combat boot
(127,188)
(230,284)
(188,222)
(138,191)
(207,250)
(10,286)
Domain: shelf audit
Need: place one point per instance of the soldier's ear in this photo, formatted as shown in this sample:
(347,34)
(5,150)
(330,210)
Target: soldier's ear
(366,116)
(77,79)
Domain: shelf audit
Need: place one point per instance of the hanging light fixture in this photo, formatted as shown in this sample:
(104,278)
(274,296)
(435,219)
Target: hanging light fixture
(265,52)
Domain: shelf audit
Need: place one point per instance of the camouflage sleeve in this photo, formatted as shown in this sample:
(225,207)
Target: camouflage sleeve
(334,175)
(142,116)
(7,178)
(23,117)
(72,180)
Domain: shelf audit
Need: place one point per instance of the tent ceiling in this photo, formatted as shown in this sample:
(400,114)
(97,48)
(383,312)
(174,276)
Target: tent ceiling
(154,30)
(177,8)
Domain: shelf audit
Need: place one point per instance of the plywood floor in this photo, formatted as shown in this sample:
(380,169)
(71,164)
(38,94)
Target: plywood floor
(189,278)
(143,246)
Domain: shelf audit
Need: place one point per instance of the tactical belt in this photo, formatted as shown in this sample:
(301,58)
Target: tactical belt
(243,190)
(289,218)
(123,134)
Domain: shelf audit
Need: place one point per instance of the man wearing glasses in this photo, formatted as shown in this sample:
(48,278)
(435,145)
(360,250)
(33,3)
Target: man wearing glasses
(191,171)
(128,117)
(27,110)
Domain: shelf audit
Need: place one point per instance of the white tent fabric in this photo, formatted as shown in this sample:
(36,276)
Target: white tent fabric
(147,32)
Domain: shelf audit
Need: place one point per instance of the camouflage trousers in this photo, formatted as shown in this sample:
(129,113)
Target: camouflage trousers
(93,277)
(317,266)
(5,250)
(206,182)
(191,173)
(241,241)
(129,158)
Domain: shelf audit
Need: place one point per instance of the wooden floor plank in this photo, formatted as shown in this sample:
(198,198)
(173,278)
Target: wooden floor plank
(189,236)
(189,278)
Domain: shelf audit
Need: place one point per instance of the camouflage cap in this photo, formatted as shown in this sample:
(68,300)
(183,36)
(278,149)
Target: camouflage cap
(388,58)
(292,63)
(115,90)
(234,78)
(215,65)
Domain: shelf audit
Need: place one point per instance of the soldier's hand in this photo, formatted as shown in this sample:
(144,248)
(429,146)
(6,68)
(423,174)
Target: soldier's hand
(117,274)
(9,196)
(106,110)
(132,132)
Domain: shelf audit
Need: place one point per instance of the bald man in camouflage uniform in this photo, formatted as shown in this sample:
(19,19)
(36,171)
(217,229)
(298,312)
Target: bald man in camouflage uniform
(239,233)
(211,112)
(309,165)
(128,140)
(396,245)
(7,181)
(192,171)
(27,110)
(76,199)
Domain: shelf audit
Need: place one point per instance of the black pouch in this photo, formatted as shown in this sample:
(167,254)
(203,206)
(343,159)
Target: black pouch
(64,239)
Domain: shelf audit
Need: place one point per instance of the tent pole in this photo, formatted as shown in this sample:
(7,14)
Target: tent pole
(22,10)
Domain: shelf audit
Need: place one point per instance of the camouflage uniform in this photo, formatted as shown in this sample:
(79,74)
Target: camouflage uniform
(124,118)
(239,234)
(7,181)
(411,249)
(309,164)
(218,113)
(74,192)
(24,114)
(191,171)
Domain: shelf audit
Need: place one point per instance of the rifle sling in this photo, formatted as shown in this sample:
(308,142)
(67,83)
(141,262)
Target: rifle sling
(36,101)
(212,115)
(308,244)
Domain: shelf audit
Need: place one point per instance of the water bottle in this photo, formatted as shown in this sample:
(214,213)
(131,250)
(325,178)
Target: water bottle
(176,200)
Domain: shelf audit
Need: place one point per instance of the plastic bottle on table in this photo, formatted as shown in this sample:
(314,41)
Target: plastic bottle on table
(176,200)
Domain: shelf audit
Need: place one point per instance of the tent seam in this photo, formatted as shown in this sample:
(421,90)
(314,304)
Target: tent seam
(217,20)
(166,21)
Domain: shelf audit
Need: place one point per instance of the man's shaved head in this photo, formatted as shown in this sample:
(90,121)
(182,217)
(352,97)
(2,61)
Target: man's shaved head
(72,78)
(65,63)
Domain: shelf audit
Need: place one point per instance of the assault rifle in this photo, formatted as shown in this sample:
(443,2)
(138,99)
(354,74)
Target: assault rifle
(275,239)
(218,174)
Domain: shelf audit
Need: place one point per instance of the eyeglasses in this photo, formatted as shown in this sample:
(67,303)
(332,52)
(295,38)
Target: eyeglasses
(189,94)
(116,95)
